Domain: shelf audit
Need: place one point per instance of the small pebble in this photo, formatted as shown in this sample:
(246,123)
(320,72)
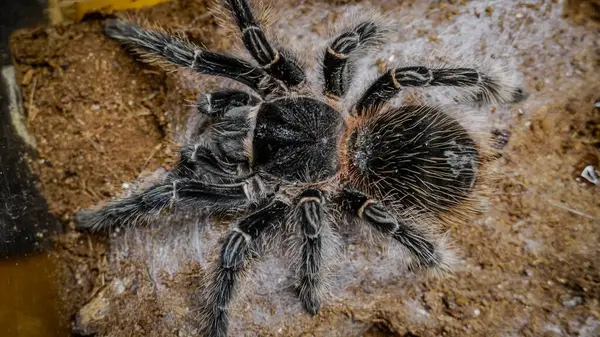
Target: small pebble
(573,302)
(118,286)
(589,173)
(125,186)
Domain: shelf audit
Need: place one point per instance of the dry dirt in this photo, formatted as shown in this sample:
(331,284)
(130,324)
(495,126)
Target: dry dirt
(101,119)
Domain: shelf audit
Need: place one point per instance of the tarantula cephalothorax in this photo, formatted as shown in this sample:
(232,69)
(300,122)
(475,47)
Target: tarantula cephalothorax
(289,160)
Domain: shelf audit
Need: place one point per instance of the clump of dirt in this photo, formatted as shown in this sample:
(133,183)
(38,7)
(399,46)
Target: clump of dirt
(583,10)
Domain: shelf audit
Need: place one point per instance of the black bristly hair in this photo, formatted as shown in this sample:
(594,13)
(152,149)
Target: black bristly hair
(383,155)
(296,138)
(281,156)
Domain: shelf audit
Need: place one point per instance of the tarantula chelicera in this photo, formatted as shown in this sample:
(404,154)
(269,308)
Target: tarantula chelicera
(291,162)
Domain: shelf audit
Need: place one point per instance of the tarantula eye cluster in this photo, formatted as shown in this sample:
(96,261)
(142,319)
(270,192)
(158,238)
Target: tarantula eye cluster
(286,161)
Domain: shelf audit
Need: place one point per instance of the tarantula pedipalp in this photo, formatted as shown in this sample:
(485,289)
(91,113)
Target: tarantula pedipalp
(284,155)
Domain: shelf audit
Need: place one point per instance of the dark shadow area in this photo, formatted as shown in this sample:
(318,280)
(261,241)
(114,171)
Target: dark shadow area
(24,218)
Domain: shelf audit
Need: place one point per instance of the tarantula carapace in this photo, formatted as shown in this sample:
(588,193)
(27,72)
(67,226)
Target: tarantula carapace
(288,161)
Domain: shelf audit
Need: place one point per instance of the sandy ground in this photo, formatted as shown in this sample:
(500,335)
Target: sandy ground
(528,265)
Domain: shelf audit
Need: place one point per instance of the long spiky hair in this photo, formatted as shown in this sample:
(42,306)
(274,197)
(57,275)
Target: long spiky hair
(159,38)
(455,206)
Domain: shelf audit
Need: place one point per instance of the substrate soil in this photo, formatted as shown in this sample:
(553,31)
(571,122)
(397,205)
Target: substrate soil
(102,119)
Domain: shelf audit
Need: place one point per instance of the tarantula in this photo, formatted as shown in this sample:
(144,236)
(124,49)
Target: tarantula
(292,162)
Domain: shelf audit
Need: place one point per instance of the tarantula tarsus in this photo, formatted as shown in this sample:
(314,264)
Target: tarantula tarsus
(291,161)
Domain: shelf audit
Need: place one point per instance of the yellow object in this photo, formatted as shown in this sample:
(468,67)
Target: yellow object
(75,10)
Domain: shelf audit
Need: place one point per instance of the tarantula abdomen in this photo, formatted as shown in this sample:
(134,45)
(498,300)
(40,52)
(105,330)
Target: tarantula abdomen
(415,154)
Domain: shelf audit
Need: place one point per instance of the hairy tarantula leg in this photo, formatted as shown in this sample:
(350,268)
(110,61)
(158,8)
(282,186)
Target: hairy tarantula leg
(394,80)
(345,45)
(155,44)
(197,159)
(200,162)
(376,214)
(215,104)
(310,216)
(148,203)
(241,246)
(280,65)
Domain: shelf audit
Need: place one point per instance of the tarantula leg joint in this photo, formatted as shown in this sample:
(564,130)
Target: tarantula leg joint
(246,235)
(254,188)
(311,195)
(361,209)
(174,190)
(197,58)
(336,54)
(275,60)
(311,213)
(194,156)
(234,249)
